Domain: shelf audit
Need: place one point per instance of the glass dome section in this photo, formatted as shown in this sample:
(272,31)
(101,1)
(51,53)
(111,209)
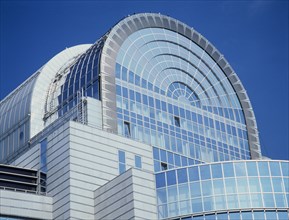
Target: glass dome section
(175,96)
(79,78)
(183,93)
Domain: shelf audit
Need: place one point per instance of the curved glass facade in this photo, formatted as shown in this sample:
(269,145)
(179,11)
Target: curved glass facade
(172,95)
(14,118)
(218,187)
(83,77)
(76,80)
(242,215)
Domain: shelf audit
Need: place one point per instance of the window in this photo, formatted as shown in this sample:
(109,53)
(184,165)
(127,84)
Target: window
(177,121)
(137,160)
(164,166)
(21,135)
(126,129)
(43,156)
(121,162)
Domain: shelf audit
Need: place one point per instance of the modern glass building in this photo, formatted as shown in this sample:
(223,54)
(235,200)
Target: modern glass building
(149,122)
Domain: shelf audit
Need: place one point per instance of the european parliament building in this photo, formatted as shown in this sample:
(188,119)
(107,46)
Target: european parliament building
(149,122)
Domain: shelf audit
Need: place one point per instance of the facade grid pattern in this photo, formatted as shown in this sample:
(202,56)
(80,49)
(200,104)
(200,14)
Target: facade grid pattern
(209,116)
(238,185)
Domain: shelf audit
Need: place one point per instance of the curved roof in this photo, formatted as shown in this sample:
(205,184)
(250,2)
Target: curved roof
(47,77)
(120,32)
(15,108)
(26,103)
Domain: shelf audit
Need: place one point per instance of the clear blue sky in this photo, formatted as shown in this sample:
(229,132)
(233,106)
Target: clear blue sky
(252,35)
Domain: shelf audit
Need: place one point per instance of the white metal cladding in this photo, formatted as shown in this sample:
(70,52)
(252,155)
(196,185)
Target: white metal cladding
(131,24)
(22,111)
(47,77)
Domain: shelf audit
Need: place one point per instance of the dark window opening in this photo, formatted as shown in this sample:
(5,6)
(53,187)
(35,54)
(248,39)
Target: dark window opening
(164,166)
(177,121)
(126,129)
(21,135)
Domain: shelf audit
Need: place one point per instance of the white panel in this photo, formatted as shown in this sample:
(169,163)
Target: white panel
(32,206)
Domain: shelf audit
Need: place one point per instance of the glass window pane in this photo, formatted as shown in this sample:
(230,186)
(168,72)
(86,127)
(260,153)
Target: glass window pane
(184,191)
(220,203)
(121,156)
(173,209)
(268,200)
(172,194)
(258,215)
(121,168)
(275,169)
(271,215)
(252,169)
(217,171)
(182,175)
(232,202)
(195,189)
(185,207)
(222,216)
(240,169)
(171,178)
(283,215)
(162,196)
(235,216)
(177,160)
(254,184)
(218,187)
(163,155)
(242,185)
(256,200)
(246,215)
(244,201)
(157,166)
(230,185)
(138,163)
(207,188)
(277,184)
(156,153)
(228,170)
(43,155)
(193,173)
(160,180)
(197,205)
(263,168)
(280,200)
(266,184)
(285,168)
(205,172)
(163,211)
(286,185)
(208,203)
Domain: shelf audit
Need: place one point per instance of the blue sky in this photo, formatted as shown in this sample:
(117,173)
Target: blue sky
(252,35)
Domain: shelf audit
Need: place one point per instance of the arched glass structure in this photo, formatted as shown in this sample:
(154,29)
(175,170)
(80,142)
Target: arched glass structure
(155,80)
(24,111)
(219,187)
(152,51)
(175,96)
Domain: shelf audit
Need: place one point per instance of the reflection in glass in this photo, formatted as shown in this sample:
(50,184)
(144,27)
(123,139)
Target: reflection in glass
(252,169)
(228,170)
(161,196)
(172,194)
(217,171)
